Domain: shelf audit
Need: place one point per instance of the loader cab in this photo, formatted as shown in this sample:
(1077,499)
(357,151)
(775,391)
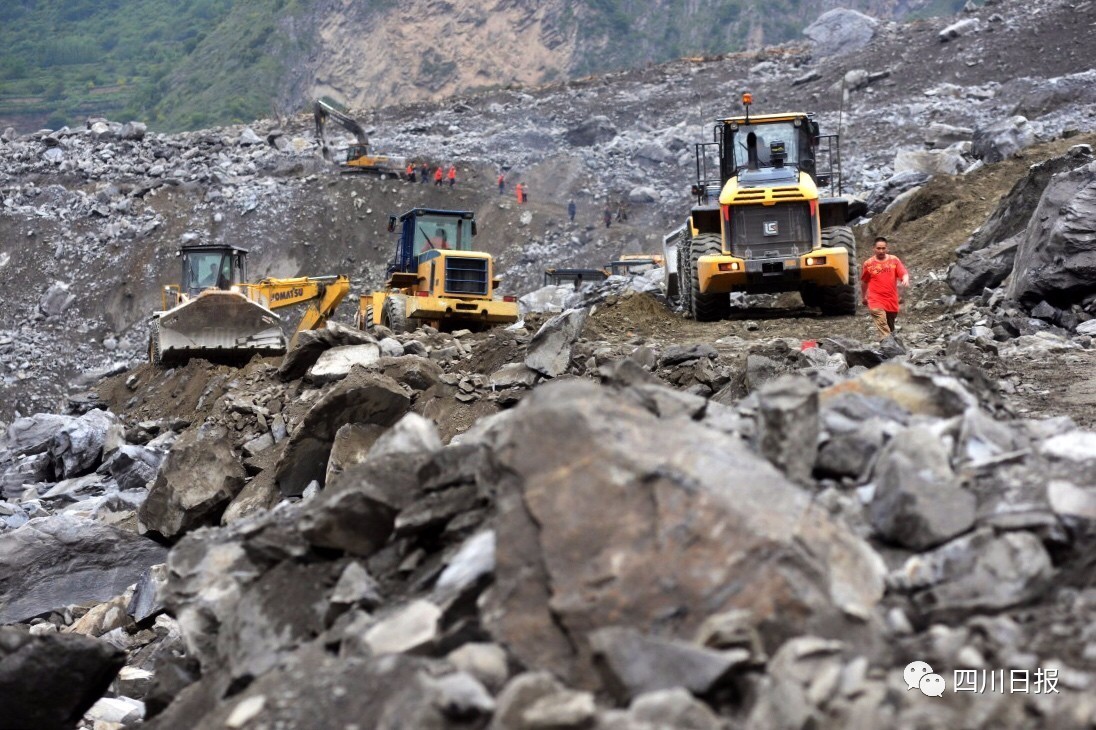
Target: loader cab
(426,233)
(212,267)
(768,148)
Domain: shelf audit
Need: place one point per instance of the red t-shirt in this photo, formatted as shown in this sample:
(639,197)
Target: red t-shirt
(880,281)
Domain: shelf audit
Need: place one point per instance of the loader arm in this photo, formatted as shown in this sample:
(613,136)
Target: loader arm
(322,293)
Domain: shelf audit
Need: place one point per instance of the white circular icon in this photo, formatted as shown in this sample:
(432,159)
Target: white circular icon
(932,685)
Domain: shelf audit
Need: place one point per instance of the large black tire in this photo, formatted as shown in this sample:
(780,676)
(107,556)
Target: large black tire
(840,300)
(684,276)
(705,307)
(364,320)
(810,295)
(394,314)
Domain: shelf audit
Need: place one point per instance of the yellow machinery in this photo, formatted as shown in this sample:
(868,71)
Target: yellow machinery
(358,157)
(436,278)
(760,223)
(216,314)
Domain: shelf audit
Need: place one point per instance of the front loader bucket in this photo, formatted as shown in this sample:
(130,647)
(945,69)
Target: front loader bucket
(216,325)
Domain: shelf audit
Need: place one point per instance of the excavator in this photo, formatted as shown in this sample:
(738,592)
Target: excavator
(217,315)
(358,158)
(436,278)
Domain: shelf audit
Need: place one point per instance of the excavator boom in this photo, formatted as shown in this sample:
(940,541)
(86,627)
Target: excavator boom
(323,294)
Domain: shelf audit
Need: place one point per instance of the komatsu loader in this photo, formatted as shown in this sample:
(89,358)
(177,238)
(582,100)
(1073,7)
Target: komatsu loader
(216,314)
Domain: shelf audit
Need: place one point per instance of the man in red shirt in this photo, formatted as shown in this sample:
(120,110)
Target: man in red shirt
(880,278)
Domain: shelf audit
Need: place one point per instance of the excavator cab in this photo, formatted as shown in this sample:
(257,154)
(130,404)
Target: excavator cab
(212,267)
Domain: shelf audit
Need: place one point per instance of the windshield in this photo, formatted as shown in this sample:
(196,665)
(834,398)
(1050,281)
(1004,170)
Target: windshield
(208,269)
(442,233)
(762,136)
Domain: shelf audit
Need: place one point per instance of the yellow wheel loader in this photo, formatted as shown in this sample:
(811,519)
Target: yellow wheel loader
(436,278)
(217,315)
(761,223)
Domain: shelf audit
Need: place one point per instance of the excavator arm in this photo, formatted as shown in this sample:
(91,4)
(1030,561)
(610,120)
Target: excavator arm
(322,293)
(321,110)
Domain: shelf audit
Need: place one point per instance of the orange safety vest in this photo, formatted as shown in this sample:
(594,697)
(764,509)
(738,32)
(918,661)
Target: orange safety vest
(517,191)
(452,173)
(410,171)
(437,174)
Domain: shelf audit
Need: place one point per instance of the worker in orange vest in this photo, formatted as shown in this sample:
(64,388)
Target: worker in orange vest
(452,175)
(438,174)
(410,172)
(502,183)
(519,193)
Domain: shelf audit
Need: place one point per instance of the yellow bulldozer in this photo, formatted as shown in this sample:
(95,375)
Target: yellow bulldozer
(436,278)
(761,223)
(216,314)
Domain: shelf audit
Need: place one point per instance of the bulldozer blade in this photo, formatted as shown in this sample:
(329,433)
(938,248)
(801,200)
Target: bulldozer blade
(219,325)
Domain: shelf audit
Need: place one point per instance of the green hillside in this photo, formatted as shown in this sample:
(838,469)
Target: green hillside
(174,65)
(201,63)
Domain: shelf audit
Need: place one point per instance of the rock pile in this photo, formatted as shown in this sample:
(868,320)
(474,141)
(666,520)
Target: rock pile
(594,533)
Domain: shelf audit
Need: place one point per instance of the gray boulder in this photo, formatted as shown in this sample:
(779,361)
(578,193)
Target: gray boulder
(56,300)
(549,352)
(556,549)
(1056,261)
(594,131)
(840,31)
(335,364)
(918,502)
(980,572)
(52,562)
(984,269)
(199,477)
(1012,214)
(633,664)
(133,467)
(787,428)
(885,192)
(1002,140)
(32,434)
(77,447)
(50,681)
(313,343)
(963,27)
(133,131)
(362,397)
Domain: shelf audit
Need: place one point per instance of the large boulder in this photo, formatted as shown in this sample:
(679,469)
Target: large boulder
(840,31)
(1012,214)
(77,447)
(362,397)
(199,477)
(983,269)
(310,344)
(52,562)
(1057,257)
(549,352)
(32,434)
(1002,140)
(50,681)
(611,516)
(594,131)
(918,502)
